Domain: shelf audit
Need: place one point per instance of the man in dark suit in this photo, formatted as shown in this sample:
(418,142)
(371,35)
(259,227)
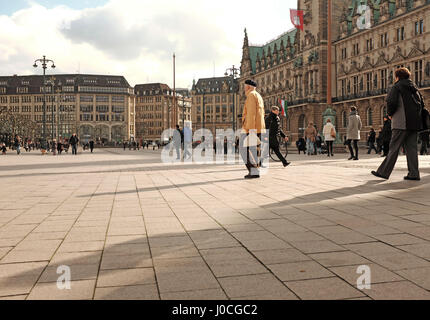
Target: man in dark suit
(273,124)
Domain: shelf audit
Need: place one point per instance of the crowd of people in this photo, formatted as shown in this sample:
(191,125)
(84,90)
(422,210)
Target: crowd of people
(406,123)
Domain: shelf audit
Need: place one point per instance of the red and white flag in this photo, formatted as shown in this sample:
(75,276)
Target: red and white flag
(297,18)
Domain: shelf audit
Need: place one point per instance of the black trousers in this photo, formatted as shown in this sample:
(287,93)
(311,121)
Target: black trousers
(275,148)
(329,147)
(372,147)
(386,147)
(349,142)
(424,145)
(74,149)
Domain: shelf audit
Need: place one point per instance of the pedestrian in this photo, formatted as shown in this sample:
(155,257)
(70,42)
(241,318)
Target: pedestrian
(54,147)
(59,147)
(17,144)
(273,124)
(386,136)
(424,137)
(318,144)
(301,145)
(371,141)
(73,141)
(178,137)
(353,133)
(3,149)
(379,141)
(252,123)
(188,141)
(92,145)
(329,132)
(310,135)
(405,106)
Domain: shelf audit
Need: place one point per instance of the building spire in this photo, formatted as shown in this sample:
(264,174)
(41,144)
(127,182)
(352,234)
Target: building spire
(245,41)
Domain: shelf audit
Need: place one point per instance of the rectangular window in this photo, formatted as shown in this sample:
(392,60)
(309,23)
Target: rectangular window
(118,99)
(87,99)
(102,109)
(418,71)
(118,109)
(86,117)
(86,109)
(369,82)
(102,98)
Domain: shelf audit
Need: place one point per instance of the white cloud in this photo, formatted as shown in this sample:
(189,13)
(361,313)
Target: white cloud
(136,38)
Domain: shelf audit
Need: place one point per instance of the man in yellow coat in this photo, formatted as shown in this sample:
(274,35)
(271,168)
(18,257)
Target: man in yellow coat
(252,124)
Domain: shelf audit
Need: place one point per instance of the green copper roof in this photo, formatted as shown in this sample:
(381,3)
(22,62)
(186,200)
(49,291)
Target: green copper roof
(263,50)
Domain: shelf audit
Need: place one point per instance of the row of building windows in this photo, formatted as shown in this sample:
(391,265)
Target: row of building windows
(378,79)
(400,35)
(148,99)
(64,98)
(216,109)
(102,109)
(88,117)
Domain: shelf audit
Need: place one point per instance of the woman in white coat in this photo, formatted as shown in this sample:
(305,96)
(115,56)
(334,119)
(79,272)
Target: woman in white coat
(329,133)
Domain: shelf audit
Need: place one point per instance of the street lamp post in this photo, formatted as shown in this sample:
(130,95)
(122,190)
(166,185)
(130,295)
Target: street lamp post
(52,83)
(58,115)
(44,63)
(233,72)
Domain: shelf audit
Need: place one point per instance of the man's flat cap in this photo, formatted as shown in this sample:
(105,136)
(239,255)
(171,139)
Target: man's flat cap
(251,83)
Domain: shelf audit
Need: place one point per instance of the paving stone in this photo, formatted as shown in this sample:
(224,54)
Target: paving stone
(334,259)
(263,285)
(125,277)
(399,239)
(419,276)
(299,271)
(317,246)
(420,250)
(209,294)
(324,289)
(403,290)
(138,292)
(277,256)
(79,290)
(378,274)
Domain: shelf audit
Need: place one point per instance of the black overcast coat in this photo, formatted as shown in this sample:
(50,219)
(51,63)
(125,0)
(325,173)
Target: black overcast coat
(413,104)
(273,123)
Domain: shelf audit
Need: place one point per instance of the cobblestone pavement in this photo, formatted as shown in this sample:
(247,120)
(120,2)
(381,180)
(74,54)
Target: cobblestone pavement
(131,228)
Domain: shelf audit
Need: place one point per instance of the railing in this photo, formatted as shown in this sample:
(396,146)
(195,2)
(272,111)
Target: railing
(373,93)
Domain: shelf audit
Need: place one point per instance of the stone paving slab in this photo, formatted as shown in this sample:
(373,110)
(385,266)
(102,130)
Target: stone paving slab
(132,228)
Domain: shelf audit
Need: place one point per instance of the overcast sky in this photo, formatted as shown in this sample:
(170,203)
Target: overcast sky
(136,38)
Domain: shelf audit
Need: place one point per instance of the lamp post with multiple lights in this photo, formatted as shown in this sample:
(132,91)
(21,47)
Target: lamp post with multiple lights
(233,72)
(44,63)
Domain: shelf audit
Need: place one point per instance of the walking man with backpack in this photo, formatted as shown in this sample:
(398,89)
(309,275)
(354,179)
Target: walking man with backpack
(405,106)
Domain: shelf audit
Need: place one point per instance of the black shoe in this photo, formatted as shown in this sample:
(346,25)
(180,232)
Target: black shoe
(286,164)
(351,158)
(249,176)
(412,179)
(376,174)
(355,159)
(332,155)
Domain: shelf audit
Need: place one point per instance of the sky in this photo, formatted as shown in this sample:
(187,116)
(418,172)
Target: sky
(136,38)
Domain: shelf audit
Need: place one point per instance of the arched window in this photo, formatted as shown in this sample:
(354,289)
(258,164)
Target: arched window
(369,117)
(344,119)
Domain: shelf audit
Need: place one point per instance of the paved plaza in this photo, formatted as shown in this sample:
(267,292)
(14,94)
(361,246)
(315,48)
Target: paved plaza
(129,227)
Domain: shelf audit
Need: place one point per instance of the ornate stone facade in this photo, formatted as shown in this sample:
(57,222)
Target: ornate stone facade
(293,67)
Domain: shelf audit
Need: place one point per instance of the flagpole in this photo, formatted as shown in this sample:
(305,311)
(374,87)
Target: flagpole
(329,75)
